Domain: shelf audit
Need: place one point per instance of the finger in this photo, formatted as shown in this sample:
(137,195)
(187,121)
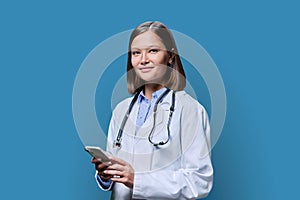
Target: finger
(117,179)
(95,160)
(105,176)
(113,172)
(100,167)
(116,167)
(118,160)
(109,163)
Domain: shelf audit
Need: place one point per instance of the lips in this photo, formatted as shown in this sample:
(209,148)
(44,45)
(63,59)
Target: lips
(145,69)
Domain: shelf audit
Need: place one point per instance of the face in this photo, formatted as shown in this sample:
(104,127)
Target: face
(149,57)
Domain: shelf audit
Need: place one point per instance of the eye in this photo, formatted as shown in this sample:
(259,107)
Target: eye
(135,53)
(153,50)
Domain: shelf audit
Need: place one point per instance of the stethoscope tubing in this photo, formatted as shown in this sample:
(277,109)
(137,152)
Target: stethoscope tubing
(117,142)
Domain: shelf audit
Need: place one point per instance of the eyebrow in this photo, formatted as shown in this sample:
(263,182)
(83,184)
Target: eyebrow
(151,46)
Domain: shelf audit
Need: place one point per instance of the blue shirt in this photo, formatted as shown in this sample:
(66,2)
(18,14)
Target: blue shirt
(146,106)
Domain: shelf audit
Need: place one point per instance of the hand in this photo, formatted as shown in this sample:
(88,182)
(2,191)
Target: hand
(120,171)
(100,167)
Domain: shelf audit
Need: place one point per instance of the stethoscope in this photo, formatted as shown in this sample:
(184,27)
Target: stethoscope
(117,142)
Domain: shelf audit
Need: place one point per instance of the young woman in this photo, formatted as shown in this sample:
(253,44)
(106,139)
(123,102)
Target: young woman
(158,139)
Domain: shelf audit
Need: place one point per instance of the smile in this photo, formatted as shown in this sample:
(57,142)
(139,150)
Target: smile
(145,69)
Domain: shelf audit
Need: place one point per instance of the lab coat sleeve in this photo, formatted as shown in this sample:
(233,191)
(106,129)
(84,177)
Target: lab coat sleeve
(194,177)
(106,186)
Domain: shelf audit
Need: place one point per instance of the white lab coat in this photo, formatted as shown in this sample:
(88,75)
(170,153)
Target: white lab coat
(180,169)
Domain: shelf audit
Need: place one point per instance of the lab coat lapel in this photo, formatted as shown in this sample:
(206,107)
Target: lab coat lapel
(130,125)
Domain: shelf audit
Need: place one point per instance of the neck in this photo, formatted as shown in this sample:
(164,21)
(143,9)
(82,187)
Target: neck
(150,88)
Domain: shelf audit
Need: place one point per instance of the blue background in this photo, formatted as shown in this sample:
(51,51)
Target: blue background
(255,45)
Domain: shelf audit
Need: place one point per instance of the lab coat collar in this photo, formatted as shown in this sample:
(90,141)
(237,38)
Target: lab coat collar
(155,95)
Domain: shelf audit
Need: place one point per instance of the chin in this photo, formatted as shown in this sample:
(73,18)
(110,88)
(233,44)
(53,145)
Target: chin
(153,81)
(147,78)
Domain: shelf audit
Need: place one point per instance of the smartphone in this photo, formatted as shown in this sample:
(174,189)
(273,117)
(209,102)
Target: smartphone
(98,153)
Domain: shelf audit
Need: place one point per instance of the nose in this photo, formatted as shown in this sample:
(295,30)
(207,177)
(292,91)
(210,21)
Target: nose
(144,59)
